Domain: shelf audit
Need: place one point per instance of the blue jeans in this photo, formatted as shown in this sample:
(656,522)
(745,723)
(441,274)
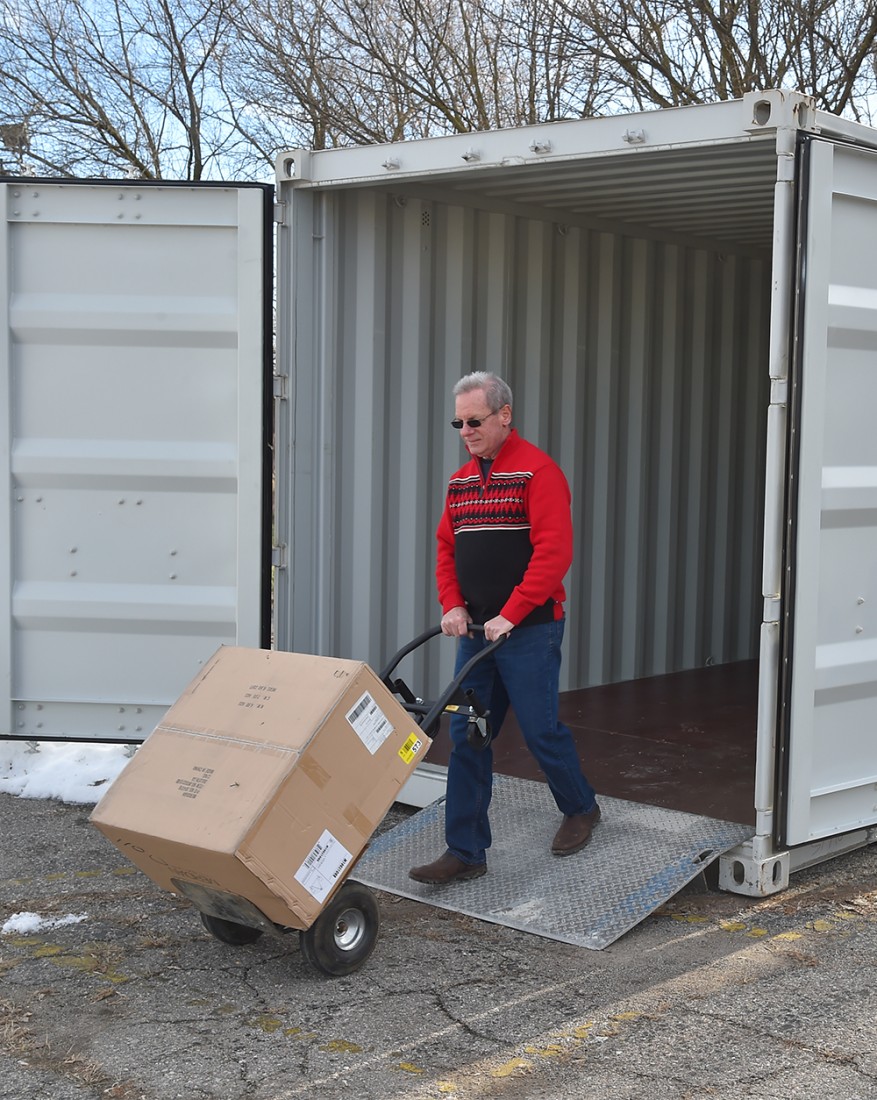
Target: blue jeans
(523,672)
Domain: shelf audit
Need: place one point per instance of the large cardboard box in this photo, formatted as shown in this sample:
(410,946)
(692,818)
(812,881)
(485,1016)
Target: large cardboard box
(263,782)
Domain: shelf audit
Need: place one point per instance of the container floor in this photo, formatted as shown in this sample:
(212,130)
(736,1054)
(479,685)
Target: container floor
(684,741)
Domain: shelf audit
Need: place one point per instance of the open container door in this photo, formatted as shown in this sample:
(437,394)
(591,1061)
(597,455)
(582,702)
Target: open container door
(830,695)
(136,445)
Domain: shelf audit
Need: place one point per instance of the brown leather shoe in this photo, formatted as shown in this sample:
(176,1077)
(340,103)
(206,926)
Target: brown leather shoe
(575,832)
(445,869)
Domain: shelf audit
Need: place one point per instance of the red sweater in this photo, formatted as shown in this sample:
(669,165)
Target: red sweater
(505,544)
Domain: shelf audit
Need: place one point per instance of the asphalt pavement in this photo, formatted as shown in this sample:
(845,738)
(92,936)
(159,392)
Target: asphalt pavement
(715,997)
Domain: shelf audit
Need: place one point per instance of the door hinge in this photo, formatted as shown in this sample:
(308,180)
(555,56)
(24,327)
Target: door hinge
(281,386)
(280,213)
(278,556)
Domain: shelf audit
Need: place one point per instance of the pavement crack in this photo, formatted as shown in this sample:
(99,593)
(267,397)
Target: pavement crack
(828,1054)
(461,1021)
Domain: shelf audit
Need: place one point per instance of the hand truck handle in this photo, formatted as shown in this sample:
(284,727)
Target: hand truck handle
(405,650)
(433,711)
(433,716)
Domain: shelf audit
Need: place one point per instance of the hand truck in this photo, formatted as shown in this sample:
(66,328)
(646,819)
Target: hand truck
(344,932)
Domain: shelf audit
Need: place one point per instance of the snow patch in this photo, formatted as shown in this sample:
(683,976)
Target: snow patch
(67,771)
(33,922)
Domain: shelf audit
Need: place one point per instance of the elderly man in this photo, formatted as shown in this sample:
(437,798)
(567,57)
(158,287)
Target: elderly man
(504,547)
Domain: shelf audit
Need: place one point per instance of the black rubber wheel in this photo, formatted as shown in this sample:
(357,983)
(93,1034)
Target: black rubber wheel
(230,932)
(344,934)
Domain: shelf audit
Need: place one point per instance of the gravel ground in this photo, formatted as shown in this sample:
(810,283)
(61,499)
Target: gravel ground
(714,997)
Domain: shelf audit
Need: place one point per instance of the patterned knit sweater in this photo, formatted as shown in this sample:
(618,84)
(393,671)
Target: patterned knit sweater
(505,543)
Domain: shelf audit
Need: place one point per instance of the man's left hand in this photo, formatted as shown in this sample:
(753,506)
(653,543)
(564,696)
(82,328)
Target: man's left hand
(495,628)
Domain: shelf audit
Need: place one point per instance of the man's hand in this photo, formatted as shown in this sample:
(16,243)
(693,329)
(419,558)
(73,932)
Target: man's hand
(495,628)
(455,623)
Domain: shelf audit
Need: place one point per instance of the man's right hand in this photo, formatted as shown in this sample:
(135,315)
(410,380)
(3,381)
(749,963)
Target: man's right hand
(455,623)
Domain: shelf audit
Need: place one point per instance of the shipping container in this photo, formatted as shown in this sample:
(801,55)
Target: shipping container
(685,305)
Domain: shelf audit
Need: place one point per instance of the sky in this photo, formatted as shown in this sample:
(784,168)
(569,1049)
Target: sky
(77,773)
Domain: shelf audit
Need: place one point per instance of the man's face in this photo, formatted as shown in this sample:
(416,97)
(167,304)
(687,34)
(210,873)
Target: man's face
(485,440)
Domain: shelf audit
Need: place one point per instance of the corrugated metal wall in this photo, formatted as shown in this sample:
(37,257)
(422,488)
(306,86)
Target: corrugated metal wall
(640,365)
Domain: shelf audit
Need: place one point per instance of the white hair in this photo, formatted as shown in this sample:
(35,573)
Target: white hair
(496,390)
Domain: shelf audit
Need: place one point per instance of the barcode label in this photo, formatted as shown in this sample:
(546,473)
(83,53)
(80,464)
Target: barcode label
(369,722)
(323,866)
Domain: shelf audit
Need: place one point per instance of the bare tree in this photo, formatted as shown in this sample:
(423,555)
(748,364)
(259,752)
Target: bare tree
(359,71)
(118,87)
(482,64)
(553,75)
(667,53)
(290,79)
(195,89)
(325,73)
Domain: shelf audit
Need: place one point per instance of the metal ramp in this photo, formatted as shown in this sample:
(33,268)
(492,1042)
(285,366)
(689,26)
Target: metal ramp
(638,858)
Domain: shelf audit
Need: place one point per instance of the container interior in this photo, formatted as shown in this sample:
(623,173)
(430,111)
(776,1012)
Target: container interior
(627,301)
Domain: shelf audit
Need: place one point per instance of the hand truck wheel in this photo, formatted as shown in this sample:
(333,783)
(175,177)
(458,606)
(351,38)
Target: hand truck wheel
(344,934)
(229,931)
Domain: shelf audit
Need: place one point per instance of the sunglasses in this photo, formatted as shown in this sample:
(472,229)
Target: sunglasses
(475,422)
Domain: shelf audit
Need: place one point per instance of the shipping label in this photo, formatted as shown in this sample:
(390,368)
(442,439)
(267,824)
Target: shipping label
(323,867)
(369,722)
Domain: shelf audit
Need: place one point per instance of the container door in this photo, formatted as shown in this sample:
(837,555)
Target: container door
(831,636)
(133,373)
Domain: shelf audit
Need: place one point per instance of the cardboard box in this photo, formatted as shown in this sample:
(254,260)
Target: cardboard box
(263,783)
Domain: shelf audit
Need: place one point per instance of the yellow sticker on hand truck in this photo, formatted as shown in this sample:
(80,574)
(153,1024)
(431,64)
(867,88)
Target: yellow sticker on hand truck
(411,748)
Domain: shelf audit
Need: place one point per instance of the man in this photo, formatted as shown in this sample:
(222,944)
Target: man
(504,547)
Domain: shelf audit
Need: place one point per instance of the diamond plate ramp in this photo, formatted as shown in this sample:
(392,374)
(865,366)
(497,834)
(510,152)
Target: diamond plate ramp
(639,857)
